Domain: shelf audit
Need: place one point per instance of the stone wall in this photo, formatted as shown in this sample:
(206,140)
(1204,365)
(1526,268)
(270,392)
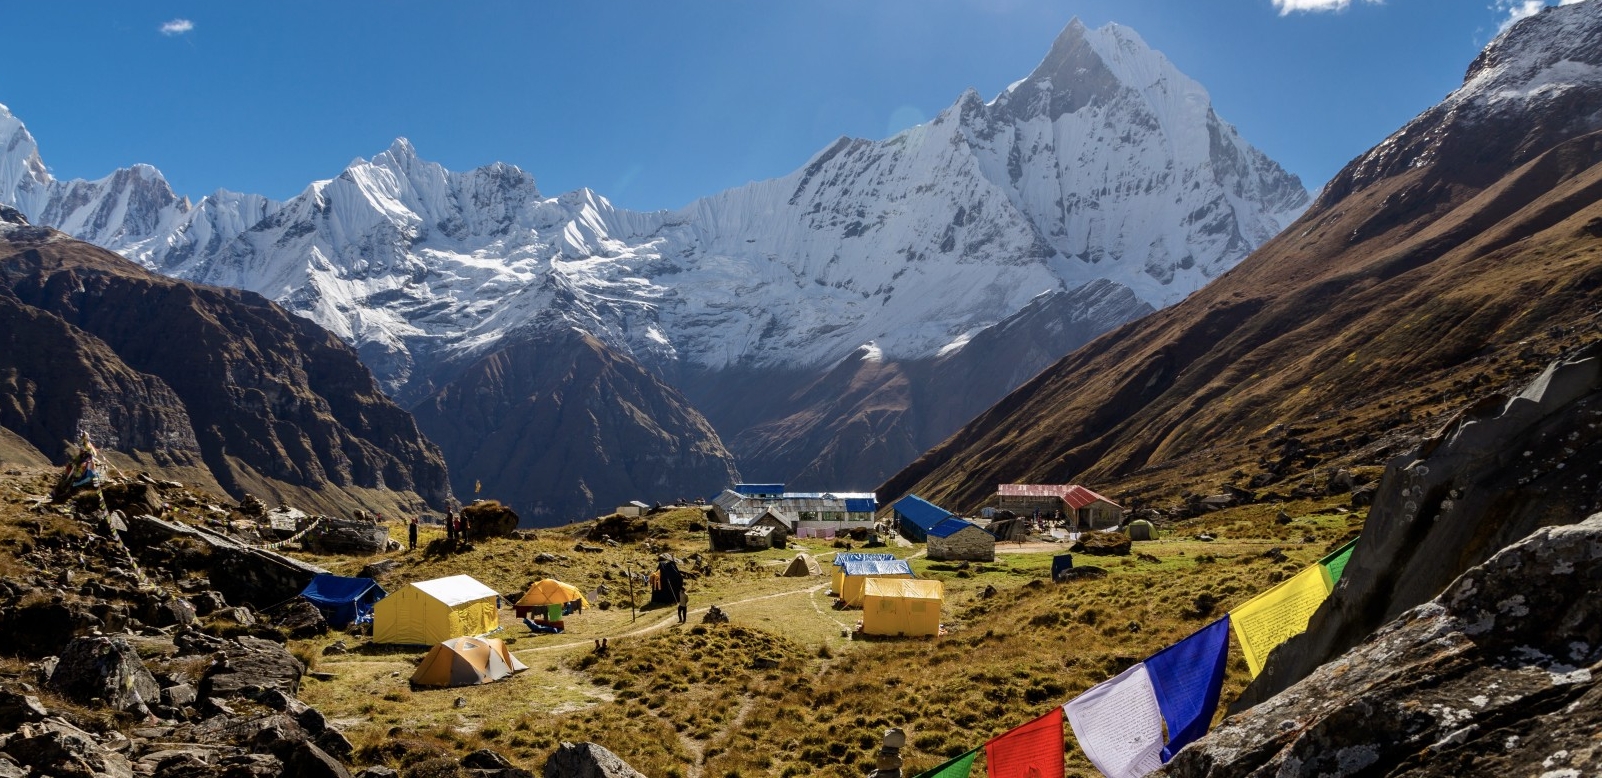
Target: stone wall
(971,544)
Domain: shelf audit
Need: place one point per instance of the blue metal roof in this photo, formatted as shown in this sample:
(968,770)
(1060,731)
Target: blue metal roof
(878,567)
(921,512)
(841,559)
(949,527)
(861,505)
(759,488)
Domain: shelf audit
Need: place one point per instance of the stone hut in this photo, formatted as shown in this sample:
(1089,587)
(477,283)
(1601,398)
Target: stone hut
(956,539)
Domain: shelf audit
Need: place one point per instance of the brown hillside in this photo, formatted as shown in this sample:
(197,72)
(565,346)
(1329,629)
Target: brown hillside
(211,385)
(1457,256)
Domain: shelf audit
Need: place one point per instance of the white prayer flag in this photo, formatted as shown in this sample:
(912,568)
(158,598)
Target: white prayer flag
(1118,724)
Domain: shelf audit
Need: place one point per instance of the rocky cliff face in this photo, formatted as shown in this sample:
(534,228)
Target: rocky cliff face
(1492,476)
(560,425)
(1416,284)
(181,375)
(1496,676)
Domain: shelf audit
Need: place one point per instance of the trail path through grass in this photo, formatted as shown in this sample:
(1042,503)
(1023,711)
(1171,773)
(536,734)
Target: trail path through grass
(667,620)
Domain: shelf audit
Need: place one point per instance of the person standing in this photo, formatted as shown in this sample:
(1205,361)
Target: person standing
(463,530)
(684,605)
(411,534)
(450,526)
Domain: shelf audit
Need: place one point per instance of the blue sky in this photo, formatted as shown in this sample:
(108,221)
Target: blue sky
(655,103)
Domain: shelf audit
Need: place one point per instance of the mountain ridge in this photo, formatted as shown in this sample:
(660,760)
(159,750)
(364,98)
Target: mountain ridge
(913,245)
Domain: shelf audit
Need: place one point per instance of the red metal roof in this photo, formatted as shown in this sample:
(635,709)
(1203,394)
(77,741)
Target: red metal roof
(1031,490)
(1079,497)
(1075,496)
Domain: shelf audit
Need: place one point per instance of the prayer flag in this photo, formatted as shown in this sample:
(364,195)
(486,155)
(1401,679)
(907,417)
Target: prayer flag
(1188,678)
(1270,618)
(1118,725)
(956,768)
(1033,750)
(1335,563)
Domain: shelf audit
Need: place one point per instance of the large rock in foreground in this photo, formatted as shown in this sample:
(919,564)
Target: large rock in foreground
(587,760)
(1497,676)
(106,669)
(1492,476)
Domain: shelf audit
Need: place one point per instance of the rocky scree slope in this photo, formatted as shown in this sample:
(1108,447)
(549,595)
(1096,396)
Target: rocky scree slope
(1103,181)
(1459,255)
(216,385)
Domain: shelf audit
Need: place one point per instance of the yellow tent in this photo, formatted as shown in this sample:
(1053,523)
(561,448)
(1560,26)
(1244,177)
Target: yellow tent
(465,662)
(428,612)
(549,592)
(901,606)
(859,573)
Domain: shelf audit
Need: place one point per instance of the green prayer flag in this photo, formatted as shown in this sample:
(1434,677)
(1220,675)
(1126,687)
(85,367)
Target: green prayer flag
(1335,563)
(956,768)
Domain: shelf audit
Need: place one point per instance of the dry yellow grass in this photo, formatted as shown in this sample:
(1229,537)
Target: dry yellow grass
(695,702)
(691,701)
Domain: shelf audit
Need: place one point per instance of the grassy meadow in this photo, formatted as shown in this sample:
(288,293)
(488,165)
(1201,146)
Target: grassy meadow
(783,689)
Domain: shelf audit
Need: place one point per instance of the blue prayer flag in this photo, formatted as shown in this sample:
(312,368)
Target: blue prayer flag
(1188,678)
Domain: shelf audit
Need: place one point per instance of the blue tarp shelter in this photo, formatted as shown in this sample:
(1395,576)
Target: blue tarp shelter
(343,600)
(915,516)
(841,559)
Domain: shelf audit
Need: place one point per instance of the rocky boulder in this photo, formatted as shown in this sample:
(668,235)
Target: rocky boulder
(358,537)
(42,628)
(106,669)
(300,619)
(1494,474)
(1103,544)
(1499,675)
(17,708)
(249,666)
(586,760)
(240,573)
(55,748)
(489,519)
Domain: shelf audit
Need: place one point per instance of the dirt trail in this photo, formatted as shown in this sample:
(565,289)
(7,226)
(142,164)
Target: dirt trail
(666,620)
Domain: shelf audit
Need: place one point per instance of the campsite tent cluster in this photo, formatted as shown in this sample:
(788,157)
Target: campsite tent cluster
(450,614)
(893,601)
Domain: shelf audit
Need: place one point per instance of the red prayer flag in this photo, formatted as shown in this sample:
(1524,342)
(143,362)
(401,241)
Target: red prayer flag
(1033,750)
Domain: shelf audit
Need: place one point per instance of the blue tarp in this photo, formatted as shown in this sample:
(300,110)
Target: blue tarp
(1188,678)
(344,600)
(841,559)
(877,567)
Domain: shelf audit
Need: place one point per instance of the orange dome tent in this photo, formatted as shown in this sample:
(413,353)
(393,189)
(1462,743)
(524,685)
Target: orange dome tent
(546,593)
(466,662)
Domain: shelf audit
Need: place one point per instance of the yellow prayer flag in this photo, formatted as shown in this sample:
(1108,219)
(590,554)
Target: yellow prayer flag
(1270,618)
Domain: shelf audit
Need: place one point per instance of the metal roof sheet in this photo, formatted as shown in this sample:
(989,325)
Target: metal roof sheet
(921,512)
(949,527)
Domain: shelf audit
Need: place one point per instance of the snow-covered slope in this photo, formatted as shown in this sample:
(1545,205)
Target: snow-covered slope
(132,211)
(1106,164)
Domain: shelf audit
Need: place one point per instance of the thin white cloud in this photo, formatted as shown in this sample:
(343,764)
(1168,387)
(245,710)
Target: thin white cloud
(177,27)
(1523,9)
(1288,7)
